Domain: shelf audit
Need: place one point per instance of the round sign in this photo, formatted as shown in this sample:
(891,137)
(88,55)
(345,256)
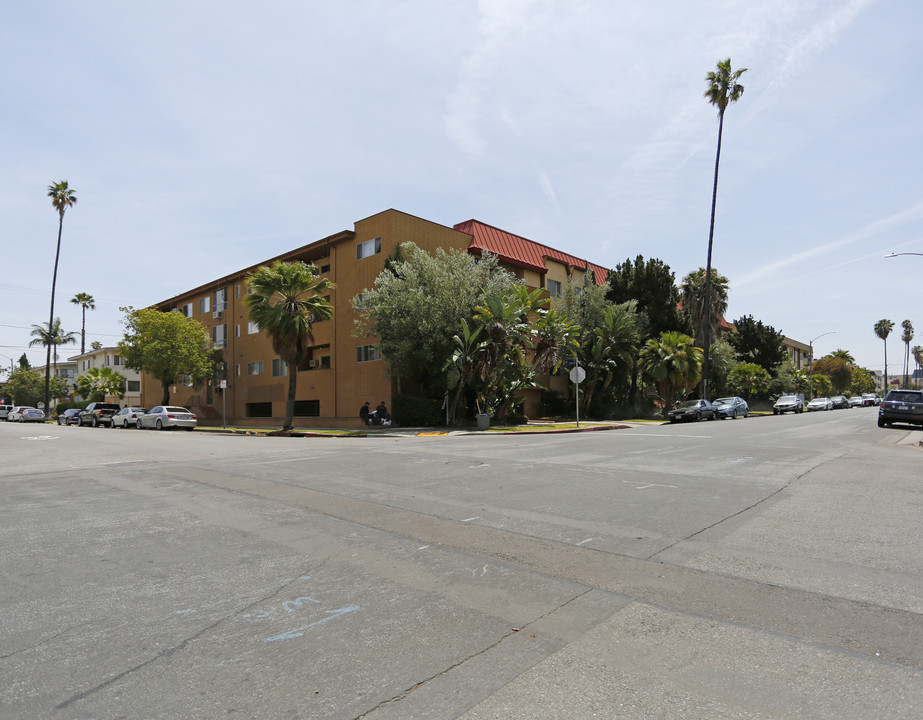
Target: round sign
(577,375)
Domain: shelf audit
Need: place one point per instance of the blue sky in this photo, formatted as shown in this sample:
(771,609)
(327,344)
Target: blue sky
(203,137)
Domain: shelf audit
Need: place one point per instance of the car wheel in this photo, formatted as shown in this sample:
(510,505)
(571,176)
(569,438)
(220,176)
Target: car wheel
(881,422)
(138,424)
(95,422)
(734,415)
(159,425)
(698,416)
(190,429)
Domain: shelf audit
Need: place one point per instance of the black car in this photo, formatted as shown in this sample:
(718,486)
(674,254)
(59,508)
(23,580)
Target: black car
(904,406)
(70,416)
(840,402)
(692,410)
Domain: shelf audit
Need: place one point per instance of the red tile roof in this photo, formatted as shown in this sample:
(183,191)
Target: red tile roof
(521,252)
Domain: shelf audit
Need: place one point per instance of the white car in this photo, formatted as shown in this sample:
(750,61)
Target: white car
(127,417)
(820,404)
(164,417)
(16,413)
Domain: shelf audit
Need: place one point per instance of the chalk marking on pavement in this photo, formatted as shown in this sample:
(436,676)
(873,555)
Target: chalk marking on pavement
(298,632)
(584,541)
(476,517)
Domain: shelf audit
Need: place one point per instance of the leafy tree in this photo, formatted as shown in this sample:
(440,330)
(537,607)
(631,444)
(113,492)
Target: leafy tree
(52,339)
(165,345)
(837,369)
(749,380)
(723,358)
(24,362)
(862,382)
(26,387)
(757,343)
(883,328)
(96,345)
(284,300)
(62,198)
(821,385)
(724,88)
(97,383)
(788,379)
(845,354)
(704,315)
(906,337)
(673,363)
(417,303)
(86,302)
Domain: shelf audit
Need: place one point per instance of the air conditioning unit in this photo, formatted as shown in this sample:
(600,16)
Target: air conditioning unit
(217,314)
(314,363)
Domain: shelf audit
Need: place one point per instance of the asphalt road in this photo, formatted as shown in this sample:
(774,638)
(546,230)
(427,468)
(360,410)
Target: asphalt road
(764,567)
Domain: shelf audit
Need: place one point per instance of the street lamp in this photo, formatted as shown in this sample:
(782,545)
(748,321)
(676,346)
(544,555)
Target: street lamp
(891,255)
(811,360)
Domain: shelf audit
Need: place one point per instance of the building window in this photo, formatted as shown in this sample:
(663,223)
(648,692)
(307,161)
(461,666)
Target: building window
(116,360)
(237,370)
(325,362)
(219,336)
(237,291)
(205,304)
(553,287)
(134,385)
(368,248)
(187,310)
(255,368)
(237,331)
(325,268)
(259,410)
(221,299)
(278,367)
(367,353)
(307,408)
(252,328)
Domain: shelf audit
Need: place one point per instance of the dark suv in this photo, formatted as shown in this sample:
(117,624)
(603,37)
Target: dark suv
(904,406)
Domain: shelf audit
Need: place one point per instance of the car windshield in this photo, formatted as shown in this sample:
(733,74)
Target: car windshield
(723,401)
(816,401)
(787,398)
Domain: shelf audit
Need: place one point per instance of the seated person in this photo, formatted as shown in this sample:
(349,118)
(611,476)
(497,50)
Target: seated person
(382,415)
(364,413)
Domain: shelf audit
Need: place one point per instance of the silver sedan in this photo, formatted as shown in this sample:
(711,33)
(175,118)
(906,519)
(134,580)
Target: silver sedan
(164,417)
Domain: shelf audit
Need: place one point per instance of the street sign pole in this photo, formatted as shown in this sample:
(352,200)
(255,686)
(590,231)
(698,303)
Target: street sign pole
(577,376)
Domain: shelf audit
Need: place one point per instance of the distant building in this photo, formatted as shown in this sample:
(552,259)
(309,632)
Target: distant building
(109,357)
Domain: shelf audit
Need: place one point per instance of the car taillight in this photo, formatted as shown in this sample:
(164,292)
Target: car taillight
(194,417)
(172,417)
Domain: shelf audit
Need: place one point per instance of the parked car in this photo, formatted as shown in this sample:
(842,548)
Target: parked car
(731,407)
(840,402)
(904,406)
(31,415)
(788,403)
(127,417)
(856,401)
(5,411)
(871,399)
(821,403)
(16,413)
(692,410)
(164,417)
(71,416)
(98,413)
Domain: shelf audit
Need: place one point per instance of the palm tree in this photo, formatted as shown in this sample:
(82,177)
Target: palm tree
(284,300)
(705,315)
(99,382)
(62,197)
(906,337)
(843,355)
(723,88)
(882,329)
(917,353)
(85,301)
(51,340)
(673,363)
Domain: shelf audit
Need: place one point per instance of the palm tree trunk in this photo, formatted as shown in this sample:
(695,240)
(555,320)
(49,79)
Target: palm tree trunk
(290,400)
(885,341)
(54,282)
(83,331)
(711,235)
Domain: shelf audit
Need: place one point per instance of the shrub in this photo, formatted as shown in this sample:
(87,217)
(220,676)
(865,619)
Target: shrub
(416,410)
(516,418)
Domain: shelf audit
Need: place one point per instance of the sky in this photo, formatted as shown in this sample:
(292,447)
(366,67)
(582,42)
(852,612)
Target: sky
(204,137)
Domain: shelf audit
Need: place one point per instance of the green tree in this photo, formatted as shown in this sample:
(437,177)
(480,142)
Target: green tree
(52,339)
(86,302)
(62,197)
(749,380)
(285,299)
(98,382)
(862,382)
(822,385)
(722,359)
(417,302)
(883,328)
(705,313)
(837,369)
(757,343)
(26,387)
(789,380)
(724,88)
(917,353)
(165,345)
(845,354)
(673,363)
(906,338)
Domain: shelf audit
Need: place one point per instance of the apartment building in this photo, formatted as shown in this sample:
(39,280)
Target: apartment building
(108,357)
(344,370)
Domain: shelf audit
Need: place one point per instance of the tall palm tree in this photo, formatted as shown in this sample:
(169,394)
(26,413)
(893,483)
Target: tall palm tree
(844,355)
(673,363)
(705,316)
(883,328)
(906,337)
(62,197)
(52,339)
(724,88)
(85,301)
(917,353)
(284,300)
